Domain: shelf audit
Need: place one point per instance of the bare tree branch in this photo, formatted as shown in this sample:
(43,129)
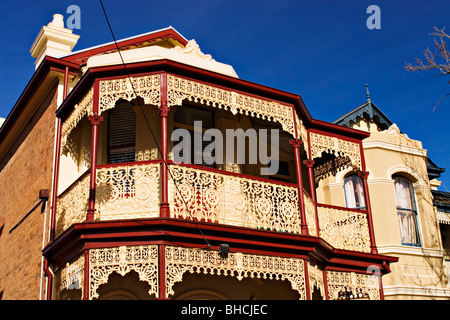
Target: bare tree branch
(439,59)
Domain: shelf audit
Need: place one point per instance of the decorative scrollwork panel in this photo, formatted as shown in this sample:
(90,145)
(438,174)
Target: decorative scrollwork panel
(180,260)
(179,89)
(316,281)
(343,229)
(127,192)
(70,277)
(310,212)
(358,284)
(81,109)
(147,87)
(72,205)
(339,147)
(142,259)
(233,200)
(302,132)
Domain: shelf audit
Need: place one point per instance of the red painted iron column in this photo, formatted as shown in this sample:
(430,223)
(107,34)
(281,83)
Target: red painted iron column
(296,143)
(162,272)
(364,175)
(310,164)
(164,210)
(95,120)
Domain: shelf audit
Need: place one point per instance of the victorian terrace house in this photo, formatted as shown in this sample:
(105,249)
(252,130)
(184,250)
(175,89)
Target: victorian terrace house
(121,215)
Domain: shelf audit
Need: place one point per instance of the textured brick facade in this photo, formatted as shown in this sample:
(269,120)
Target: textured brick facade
(25,170)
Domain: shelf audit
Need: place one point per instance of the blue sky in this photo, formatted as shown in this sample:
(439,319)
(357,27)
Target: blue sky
(319,49)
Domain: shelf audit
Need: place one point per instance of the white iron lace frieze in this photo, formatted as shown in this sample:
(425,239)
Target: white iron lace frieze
(339,147)
(331,168)
(316,282)
(358,284)
(179,89)
(343,229)
(72,205)
(443,217)
(142,259)
(70,277)
(146,87)
(81,109)
(180,260)
(146,155)
(127,192)
(233,200)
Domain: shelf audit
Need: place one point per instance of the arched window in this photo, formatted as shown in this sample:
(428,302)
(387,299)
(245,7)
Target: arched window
(354,192)
(122,133)
(406,210)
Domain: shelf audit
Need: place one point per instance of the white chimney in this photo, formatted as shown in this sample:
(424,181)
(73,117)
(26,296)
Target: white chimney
(53,40)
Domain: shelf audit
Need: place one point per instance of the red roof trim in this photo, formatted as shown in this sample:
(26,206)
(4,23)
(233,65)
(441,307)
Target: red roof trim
(81,57)
(185,233)
(184,70)
(47,65)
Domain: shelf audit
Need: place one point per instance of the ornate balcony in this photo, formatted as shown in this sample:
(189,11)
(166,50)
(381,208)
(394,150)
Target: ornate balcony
(132,191)
(133,210)
(344,228)
(127,192)
(208,195)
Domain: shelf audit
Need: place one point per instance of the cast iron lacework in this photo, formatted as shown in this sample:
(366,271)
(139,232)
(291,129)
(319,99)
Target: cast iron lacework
(72,205)
(81,109)
(339,147)
(179,89)
(147,87)
(330,168)
(180,260)
(310,214)
(70,277)
(302,132)
(343,229)
(146,155)
(339,282)
(127,192)
(226,199)
(316,279)
(142,259)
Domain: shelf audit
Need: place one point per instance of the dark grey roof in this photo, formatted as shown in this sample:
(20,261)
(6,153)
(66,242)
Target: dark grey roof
(368,111)
(441,200)
(433,170)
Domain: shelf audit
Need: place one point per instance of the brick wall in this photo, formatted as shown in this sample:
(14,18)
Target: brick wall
(26,169)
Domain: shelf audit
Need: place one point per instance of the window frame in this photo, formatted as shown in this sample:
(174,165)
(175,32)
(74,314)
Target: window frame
(415,211)
(363,193)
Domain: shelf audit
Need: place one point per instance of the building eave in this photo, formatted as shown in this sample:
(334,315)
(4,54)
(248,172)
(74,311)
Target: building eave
(206,76)
(81,56)
(49,64)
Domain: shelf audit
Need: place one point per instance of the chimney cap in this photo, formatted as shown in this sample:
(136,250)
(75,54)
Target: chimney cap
(53,40)
(58,21)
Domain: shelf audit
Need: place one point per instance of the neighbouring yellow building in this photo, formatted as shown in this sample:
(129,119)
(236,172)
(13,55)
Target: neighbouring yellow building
(410,217)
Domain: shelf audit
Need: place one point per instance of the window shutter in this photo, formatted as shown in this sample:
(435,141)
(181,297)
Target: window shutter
(122,133)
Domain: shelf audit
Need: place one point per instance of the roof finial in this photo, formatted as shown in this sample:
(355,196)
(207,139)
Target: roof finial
(368,94)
